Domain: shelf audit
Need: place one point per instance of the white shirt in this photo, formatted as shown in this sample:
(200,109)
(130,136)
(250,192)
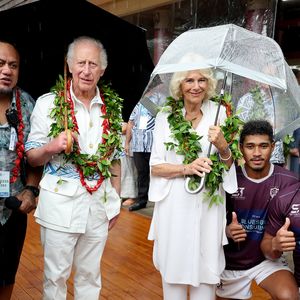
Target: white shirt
(63,202)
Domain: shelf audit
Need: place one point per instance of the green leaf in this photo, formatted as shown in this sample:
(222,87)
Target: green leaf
(99,163)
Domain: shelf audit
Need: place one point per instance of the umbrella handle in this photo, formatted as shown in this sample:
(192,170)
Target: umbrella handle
(198,189)
(202,180)
(69,146)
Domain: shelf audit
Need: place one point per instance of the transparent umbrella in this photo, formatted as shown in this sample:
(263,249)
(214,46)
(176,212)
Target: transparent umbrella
(242,61)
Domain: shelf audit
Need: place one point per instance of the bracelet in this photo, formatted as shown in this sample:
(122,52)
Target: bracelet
(227,158)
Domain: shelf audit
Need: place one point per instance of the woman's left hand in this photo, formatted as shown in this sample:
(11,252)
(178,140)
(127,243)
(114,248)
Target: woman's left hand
(216,137)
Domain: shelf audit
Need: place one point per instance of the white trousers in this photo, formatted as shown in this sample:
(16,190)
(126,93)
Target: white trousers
(180,291)
(83,251)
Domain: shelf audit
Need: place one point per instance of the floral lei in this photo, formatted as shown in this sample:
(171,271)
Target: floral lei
(100,162)
(188,144)
(20,144)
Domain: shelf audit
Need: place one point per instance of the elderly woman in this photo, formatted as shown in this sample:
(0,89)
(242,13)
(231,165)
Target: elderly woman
(188,234)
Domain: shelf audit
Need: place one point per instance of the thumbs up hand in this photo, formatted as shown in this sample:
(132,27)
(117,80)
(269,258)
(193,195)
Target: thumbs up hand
(284,239)
(235,230)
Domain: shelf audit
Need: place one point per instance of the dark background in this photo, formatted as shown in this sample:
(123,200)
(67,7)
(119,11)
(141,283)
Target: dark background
(287,29)
(42,31)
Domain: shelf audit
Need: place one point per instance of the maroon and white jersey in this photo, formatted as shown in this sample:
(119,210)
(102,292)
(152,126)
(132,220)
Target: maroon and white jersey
(287,205)
(250,203)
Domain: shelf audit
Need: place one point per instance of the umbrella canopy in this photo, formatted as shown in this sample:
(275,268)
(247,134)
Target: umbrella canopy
(43,29)
(247,57)
(228,47)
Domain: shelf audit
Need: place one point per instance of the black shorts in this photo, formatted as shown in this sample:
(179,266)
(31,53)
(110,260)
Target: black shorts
(12,235)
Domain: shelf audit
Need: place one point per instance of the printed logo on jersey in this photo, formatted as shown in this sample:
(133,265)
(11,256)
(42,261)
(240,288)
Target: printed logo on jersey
(239,193)
(295,209)
(254,222)
(273,192)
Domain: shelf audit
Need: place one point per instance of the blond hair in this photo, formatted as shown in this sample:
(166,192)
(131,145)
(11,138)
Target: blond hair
(178,77)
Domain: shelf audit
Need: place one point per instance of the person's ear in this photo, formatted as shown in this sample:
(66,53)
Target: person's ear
(70,69)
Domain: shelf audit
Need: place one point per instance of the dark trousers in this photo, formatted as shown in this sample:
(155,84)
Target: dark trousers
(141,161)
(12,235)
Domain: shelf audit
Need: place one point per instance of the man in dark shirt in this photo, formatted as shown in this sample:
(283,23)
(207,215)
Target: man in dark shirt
(18,189)
(282,231)
(258,182)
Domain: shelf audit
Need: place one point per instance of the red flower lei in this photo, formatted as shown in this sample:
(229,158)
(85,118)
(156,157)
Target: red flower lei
(105,129)
(20,144)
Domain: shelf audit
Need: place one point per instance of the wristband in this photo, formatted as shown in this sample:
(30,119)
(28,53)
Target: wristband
(12,202)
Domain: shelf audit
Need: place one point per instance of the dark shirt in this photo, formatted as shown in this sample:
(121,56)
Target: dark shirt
(8,157)
(250,203)
(287,204)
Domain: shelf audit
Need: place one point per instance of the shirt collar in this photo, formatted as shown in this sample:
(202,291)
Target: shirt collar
(271,170)
(97,99)
(204,107)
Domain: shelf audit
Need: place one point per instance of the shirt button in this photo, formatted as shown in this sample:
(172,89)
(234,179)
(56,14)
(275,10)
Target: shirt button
(91,124)
(91,146)
(56,190)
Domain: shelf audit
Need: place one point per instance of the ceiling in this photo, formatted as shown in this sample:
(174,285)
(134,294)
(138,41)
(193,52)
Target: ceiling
(287,29)
(122,8)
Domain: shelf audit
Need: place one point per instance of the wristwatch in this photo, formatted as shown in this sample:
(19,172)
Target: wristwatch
(35,191)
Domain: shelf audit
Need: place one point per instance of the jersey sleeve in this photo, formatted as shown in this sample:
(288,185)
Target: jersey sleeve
(275,215)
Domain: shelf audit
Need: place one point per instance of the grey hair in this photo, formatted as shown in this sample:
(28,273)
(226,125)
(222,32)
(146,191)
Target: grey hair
(97,43)
(178,77)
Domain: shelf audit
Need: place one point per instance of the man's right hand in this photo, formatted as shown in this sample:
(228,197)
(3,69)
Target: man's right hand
(59,144)
(235,230)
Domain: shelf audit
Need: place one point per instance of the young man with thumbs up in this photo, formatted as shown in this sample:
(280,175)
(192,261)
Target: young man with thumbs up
(258,183)
(282,232)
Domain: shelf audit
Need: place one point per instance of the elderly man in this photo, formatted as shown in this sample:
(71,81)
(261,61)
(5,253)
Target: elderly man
(79,201)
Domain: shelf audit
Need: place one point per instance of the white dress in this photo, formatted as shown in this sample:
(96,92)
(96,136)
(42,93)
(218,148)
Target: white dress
(188,235)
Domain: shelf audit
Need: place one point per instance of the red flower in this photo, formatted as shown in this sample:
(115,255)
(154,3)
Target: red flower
(105,128)
(20,144)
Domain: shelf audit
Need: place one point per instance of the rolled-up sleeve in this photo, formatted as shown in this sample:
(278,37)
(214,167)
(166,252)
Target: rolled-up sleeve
(40,123)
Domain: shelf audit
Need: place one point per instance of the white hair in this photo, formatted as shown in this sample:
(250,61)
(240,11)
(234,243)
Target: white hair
(178,77)
(97,43)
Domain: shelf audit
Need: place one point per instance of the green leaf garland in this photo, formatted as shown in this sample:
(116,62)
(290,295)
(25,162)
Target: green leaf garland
(188,144)
(100,162)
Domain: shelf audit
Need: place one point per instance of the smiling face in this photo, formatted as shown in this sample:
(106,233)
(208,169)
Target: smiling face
(257,150)
(194,87)
(86,68)
(9,67)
